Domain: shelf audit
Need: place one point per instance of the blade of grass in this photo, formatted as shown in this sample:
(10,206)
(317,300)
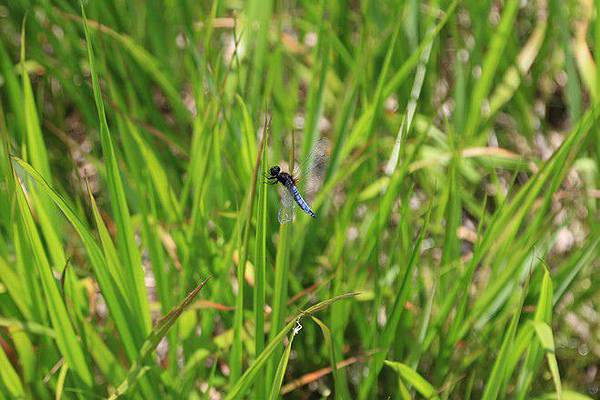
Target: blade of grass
(498,376)
(66,339)
(259,19)
(316,90)
(114,298)
(60,384)
(11,281)
(102,354)
(337,380)
(10,378)
(507,220)
(573,88)
(357,135)
(280,284)
(236,349)
(128,250)
(144,59)
(35,144)
(282,366)
(498,42)
(260,283)
(411,108)
(13,92)
(238,390)
(23,346)
(566,274)
(136,370)
(543,317)
(386,338)
(414,379)
(546,338)
(512,78)
(38,156)
(110,253)
(157,173)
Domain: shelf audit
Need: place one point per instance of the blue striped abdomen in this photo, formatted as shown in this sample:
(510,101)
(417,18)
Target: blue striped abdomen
(301,202)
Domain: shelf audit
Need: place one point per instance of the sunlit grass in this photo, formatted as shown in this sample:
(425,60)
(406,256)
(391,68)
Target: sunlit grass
(457,235)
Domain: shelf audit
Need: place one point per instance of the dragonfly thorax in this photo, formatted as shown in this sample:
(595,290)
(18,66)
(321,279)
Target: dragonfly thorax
(277,175)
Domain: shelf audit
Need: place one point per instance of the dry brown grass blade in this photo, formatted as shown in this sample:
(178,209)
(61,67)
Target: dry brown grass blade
(318,374)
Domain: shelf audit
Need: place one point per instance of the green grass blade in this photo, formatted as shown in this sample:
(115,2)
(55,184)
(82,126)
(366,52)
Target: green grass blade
(282,366)
(66,338)
(114,299)
(248,213)
(103,357)
(60,384)
(238,390)
(498,377)
(35,144)
(37,154)
(134,131)
(261,269)
(512,78)
(496,48)
(414,379)
(110,253)
(337,380)
(127,247)
(145,60)
(137,369)
(540,324)
(546,338)
(566,274)
(386,337)
(10,378)
(12,283)
(157,173)
(23,346)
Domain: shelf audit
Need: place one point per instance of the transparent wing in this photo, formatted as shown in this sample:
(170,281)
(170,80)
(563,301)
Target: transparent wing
(287,211)
(311,170)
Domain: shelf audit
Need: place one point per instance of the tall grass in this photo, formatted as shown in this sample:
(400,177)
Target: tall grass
(457,235)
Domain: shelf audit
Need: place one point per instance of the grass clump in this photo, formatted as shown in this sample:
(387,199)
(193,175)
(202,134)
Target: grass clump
(457,235)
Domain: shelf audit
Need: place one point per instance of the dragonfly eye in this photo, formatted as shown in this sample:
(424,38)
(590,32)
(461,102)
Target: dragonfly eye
(275,170)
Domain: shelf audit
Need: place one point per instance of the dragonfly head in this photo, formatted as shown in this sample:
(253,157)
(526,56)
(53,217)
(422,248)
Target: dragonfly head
(274,171)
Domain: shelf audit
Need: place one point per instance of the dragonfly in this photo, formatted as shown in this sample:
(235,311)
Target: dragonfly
(290,194)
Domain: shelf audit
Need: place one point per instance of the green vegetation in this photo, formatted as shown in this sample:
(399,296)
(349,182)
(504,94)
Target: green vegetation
(458,229)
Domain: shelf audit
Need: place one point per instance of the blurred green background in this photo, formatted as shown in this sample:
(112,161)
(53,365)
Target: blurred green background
(457,238)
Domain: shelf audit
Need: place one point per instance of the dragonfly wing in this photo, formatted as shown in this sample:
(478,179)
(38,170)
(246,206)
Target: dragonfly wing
(287,211)
(312,170)
(317,158)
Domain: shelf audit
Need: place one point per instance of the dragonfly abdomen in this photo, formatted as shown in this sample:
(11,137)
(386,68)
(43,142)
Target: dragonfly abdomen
(298,198)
